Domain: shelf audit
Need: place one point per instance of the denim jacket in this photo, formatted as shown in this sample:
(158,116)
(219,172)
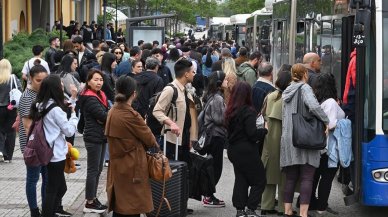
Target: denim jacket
(339,147)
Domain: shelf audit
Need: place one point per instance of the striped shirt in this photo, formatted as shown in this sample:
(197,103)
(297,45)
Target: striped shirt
(25,103)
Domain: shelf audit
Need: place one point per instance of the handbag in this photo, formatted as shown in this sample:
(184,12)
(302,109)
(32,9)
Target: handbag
(14,93)
(158,166)
(308,131)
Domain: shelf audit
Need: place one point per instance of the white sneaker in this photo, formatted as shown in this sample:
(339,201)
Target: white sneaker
(1,157)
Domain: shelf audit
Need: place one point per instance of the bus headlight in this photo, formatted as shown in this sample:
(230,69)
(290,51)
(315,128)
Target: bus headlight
(380,175)
(386,176)
(377,175)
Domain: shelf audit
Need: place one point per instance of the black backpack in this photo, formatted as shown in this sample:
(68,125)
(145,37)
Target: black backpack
(155,126)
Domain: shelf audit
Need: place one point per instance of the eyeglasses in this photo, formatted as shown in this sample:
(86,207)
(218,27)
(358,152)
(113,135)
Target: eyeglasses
(118,53)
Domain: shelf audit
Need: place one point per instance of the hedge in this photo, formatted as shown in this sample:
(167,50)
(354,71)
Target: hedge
(19,49)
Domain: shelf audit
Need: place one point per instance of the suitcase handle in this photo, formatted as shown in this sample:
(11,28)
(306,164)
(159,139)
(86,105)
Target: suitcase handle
(165,144)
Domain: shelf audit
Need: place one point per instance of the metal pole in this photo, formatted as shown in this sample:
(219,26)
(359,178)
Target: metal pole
(292,32)
(61,27)
(1,29)
(116,17)
(104,4)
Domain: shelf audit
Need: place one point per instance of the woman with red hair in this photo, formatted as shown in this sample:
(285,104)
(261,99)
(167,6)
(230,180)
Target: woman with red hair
(244,150)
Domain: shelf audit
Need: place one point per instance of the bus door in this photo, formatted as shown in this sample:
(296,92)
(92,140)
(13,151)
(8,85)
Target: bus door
(280,44)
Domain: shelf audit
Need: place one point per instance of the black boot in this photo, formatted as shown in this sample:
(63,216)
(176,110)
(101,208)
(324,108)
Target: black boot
(35,212)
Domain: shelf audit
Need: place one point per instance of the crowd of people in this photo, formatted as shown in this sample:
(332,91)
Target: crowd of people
(104,93)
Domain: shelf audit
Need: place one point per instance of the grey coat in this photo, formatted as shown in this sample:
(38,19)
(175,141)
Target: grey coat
(214,115)
(289,155)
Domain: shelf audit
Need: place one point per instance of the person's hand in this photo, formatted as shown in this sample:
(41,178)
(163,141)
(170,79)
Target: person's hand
(191,143)
(73,91)
(175,129)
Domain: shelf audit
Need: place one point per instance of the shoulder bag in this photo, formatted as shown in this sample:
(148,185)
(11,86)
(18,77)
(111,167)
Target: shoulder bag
(14,93)
(308,131)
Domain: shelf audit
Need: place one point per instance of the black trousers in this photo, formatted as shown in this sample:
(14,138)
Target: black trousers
(323,179)
(55,189)
(246,177)
(7,133)
(115,214)
(217,150)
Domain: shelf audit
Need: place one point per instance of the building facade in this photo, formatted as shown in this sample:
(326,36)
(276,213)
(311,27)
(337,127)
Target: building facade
(28,15)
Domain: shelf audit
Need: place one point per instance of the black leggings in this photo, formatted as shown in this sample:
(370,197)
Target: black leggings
(324,177)
(56,188)
(293,173)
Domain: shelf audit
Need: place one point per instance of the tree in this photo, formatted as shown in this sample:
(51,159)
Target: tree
(244,6)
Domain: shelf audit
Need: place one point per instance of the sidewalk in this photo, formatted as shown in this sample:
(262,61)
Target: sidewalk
(13,201)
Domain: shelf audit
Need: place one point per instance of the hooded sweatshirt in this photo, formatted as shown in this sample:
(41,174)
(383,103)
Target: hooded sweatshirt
(289,155)
(245,72)
(148,84)
(56,126)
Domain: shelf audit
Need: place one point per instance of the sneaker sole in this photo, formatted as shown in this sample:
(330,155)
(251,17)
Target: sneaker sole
(87,210)
(62,215)
(213,206)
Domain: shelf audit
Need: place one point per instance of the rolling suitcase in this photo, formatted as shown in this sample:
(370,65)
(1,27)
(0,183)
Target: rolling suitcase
(176,189)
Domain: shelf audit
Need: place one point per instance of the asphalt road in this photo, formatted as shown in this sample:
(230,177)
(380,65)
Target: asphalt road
(225,189)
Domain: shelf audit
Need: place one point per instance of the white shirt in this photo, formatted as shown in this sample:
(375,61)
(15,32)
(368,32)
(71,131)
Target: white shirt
(80,55)
(333,112)
(30,63)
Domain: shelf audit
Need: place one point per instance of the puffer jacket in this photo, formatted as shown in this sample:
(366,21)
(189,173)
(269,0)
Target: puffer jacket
(94,110)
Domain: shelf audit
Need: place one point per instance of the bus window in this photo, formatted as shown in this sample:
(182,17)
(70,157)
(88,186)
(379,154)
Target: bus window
(300,41)
(280,54)
(336,53)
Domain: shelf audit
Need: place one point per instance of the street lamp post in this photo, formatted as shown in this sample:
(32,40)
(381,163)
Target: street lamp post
(1,30)
(116,18)
(104,4)
(61,27)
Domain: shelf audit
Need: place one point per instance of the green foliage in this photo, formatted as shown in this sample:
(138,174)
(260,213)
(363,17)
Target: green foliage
(244,6)
(19,49)
(179,34)
(100,18)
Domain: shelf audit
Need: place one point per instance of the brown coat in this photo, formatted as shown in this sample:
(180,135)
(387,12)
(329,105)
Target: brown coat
(128,187)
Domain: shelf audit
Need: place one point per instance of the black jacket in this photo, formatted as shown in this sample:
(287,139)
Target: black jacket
(259,91)
(109,86)
(244,138)
(49,57)
(148,83)
(89,60)
(165,73)
(94,115)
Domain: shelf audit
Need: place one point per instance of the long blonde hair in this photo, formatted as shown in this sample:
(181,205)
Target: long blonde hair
(5,71)
(229,66)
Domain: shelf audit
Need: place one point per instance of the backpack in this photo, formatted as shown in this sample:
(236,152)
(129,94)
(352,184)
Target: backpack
(37,151)
(155,126)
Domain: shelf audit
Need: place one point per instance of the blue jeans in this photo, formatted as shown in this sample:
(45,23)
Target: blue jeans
(106,155)
(33,174)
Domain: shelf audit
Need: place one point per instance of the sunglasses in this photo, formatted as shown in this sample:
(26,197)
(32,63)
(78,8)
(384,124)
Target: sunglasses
(118,53)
